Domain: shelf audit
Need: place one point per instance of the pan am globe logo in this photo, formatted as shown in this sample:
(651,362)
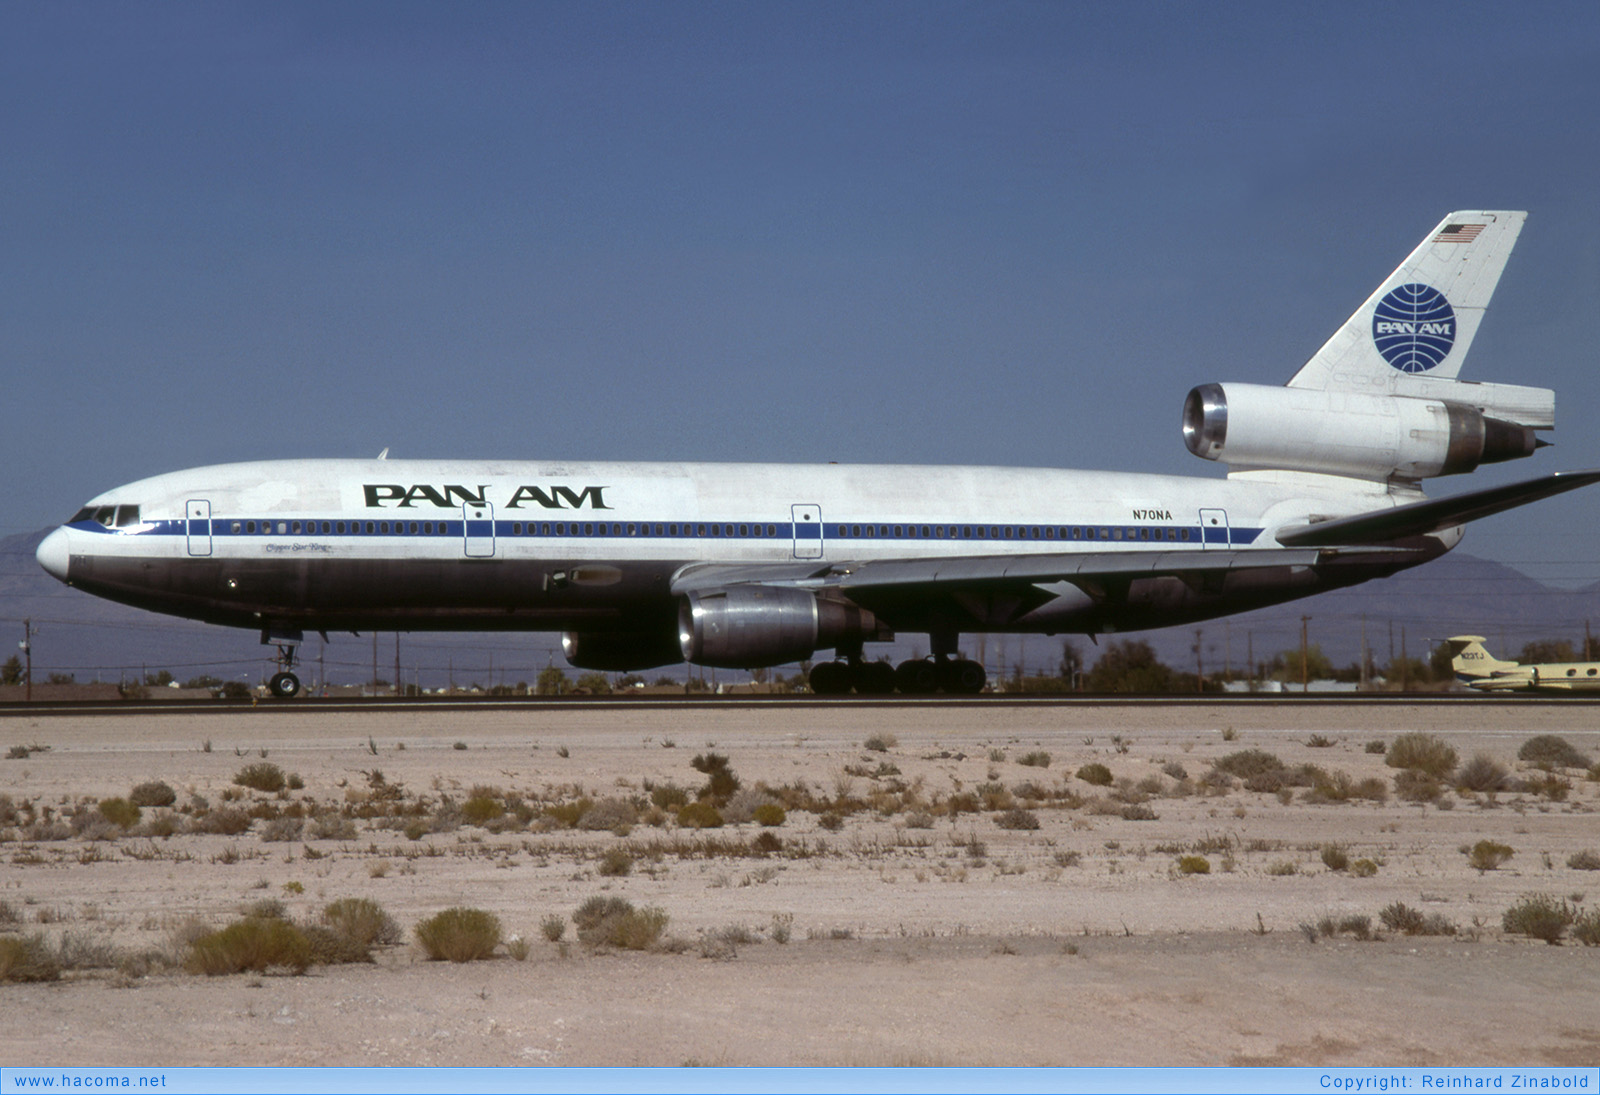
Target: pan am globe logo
(1414,328)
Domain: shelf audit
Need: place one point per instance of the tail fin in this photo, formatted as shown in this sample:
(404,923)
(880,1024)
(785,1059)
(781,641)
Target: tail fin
(1421,321)
(1471,661)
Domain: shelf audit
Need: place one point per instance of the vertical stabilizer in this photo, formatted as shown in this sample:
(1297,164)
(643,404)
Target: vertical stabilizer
(1420,322)
(1471,661)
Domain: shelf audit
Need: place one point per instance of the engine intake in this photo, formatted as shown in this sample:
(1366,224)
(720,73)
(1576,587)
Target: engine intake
(1346,433)
(746,626)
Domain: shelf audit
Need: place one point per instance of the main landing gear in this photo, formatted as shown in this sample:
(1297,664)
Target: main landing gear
(921,677)
(284,684)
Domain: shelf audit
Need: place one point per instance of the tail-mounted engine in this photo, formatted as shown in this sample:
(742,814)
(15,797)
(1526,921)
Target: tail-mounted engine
(755,625)
(1252,426)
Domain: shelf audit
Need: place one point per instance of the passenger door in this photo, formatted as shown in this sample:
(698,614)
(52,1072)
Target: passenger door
(477,522)
(1214,528)
(197,526)
(807,531)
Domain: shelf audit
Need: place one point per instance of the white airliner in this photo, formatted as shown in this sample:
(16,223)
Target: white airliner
(1481,671)
(746,565)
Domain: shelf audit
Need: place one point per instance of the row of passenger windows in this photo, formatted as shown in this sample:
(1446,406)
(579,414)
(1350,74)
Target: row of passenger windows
(602,528)
(1011,532)
(340,528)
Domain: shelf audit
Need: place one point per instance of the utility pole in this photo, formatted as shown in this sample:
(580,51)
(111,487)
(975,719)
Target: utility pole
(1588,643)
(1199,664)
(322,672)
(1405,667)
(374,663)
(1363,685)
(399,688)
(1305,663)
(27,652)
(1250,653)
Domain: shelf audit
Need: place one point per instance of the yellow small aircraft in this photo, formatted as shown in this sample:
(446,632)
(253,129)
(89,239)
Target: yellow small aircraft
(1476,668)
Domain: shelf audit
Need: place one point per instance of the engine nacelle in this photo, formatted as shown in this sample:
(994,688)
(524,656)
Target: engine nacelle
(1345,433)
(747,626)
(620,652)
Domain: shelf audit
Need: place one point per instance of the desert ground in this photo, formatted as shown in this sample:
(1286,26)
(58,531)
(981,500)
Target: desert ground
(891,917)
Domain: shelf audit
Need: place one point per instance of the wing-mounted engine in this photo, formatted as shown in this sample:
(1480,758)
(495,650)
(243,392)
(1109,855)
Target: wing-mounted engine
(756,625)
(1377,437)
(621,652)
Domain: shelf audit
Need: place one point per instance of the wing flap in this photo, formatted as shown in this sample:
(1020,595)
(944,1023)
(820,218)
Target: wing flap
(1435,515)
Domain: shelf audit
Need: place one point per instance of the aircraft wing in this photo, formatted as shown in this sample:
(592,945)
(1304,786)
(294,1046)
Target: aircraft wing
(987,570)
(1434,515)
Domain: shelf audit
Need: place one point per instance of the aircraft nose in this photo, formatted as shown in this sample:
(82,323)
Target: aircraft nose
(53,554)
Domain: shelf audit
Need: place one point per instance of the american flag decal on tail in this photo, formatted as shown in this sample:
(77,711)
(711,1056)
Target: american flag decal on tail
(1458,233)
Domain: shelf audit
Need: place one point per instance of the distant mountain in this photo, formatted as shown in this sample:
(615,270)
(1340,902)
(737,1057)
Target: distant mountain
(1458,594)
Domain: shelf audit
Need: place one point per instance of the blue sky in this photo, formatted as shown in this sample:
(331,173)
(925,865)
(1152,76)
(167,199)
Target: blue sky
(910,233)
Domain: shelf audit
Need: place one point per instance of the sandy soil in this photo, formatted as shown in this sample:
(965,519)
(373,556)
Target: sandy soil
(1076,943)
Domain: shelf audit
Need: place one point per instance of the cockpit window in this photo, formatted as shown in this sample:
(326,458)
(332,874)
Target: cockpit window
(127,515)
(106,515)
(84,514)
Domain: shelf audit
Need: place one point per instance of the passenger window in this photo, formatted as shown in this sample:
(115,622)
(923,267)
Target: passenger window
(297,528)
(369,528)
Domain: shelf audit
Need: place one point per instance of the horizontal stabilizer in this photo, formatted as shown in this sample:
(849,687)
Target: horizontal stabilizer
(1422,518)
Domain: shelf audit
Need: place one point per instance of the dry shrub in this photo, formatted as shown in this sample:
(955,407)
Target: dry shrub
(480,809)
(700,815)
(1036,759)
(1483,773)
(120,812)
(1419,752)
(668,796)
(262,776)
(1552,751)
(1414,786)
(154,793)
(1586,860)
(1334,857)
(615,863)
(613,921)
(880,743)
(1248,763)
(553,927)
(1539,916)
(1138,813)
(1486,855)
(361,920)
(332,826)
(1095,774)
(282,829)
(1194,864)
(254,943)
(459,935)
(1586,928)
(1364,868)
(769,814)
(330,948)
(27,958)
(1402,918)
(1017,818)
(743,804)
(616,815)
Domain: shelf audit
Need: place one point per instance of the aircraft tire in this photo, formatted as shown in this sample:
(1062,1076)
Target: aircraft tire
(963,677)
(829,679)
(917,678)
(285,686)
(873,678)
